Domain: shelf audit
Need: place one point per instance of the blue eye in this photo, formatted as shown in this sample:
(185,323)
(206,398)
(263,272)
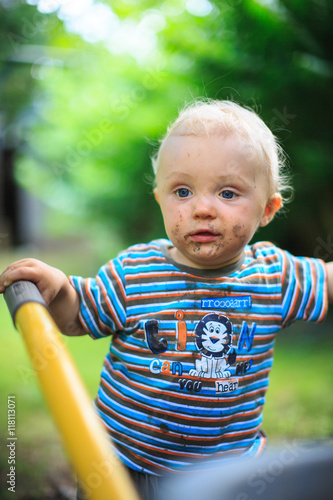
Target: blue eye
(183,192)
(228,195)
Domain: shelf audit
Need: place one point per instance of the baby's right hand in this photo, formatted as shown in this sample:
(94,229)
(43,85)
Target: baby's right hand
(49,280)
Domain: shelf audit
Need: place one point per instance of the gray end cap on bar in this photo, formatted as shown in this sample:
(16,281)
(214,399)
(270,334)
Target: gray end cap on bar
(19,293)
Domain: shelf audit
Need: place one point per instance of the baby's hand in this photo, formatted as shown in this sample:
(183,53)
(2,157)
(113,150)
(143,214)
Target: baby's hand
(48,280)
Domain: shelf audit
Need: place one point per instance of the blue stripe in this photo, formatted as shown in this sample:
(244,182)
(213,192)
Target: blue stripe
(133,432)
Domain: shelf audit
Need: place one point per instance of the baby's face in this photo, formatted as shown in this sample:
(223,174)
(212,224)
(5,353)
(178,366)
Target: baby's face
(215,336)
(213,195)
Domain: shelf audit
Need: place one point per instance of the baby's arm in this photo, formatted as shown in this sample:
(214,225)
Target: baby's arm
(62,299)
(329,267)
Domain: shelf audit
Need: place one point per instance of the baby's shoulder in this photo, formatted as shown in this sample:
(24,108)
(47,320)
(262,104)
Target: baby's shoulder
(265,255)
(263,249)
(141,252)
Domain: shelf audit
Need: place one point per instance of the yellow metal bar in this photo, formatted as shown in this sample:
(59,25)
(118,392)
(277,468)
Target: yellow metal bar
(100,472)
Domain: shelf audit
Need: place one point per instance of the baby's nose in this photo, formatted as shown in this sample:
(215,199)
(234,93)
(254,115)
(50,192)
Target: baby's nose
(204,207)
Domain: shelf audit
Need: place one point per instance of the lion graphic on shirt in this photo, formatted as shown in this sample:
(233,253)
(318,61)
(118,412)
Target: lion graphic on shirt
(213,339)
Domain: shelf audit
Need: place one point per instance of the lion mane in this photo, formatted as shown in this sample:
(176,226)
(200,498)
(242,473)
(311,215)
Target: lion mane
(199,330)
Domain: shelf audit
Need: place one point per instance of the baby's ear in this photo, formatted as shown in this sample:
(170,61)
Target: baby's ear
(274,204)
(156,195)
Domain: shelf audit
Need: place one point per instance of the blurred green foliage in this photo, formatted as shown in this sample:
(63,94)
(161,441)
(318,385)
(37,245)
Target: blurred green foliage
(88,114)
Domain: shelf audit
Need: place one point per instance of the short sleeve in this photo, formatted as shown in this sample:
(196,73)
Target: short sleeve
(304,289)
(103,300)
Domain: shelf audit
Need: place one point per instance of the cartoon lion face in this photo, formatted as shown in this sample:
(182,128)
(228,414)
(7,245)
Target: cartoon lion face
(213,335)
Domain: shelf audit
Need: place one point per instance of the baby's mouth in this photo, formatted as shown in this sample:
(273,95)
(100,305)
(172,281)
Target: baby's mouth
(203,236)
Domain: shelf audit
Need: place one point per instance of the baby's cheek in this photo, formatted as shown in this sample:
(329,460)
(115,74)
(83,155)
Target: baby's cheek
(176,229)
(240,232)
(175,236)
(176,224)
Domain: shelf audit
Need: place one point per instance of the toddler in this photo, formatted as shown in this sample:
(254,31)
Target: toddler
(193,318)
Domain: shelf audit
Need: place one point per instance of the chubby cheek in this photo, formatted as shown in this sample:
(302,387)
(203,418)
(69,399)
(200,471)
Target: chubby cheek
(245,224)
(240,230)
(174,226)
(241,233)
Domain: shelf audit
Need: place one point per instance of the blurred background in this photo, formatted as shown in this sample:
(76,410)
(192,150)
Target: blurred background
(87,87)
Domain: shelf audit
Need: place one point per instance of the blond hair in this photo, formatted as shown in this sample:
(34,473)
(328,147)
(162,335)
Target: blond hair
(208,117)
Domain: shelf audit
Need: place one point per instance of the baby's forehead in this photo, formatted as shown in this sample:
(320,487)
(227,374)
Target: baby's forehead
(232,152)
(242,145)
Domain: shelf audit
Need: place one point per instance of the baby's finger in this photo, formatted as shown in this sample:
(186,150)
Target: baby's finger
(13,273)
(19,263)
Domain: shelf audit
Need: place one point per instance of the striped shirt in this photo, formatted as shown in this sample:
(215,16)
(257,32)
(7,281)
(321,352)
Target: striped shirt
(191,350)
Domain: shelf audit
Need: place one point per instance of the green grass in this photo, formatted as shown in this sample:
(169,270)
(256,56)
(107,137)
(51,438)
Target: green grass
(300,397)
(299,400)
